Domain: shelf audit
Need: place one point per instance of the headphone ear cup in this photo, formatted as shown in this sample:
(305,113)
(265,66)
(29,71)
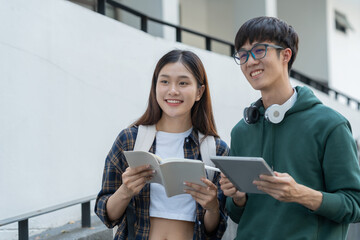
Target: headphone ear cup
(251,114)
(246,116)
(275,113)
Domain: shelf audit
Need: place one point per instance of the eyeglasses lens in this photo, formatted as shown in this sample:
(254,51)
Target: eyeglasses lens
(241,57)
(258,52)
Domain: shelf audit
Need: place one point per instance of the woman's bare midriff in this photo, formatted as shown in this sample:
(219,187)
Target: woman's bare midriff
(167,229)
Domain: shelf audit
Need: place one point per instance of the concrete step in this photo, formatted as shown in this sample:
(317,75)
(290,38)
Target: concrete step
(74,231)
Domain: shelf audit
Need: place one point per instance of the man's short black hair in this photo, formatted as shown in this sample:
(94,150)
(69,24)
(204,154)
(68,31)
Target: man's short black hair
(271,29)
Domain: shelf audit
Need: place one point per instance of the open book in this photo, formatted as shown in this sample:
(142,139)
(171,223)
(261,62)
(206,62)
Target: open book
(171,172)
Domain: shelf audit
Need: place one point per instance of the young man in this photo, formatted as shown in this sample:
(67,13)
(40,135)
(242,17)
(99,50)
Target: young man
(315,192)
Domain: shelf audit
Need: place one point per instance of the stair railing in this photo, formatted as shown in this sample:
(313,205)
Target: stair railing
(145,19)
(23,219)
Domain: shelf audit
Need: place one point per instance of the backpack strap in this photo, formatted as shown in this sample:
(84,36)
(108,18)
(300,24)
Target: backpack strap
(207,149)
(145,137)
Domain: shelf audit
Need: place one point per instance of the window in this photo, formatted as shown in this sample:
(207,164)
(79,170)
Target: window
(341,22)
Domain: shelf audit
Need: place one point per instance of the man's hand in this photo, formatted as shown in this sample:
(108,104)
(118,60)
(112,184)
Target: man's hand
(230,190)
(284,188)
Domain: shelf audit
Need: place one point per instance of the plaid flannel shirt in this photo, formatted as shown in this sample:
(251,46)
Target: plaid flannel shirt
(116,164)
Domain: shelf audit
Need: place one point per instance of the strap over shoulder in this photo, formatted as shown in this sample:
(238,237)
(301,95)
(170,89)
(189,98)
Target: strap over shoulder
(145,137)
(207,149)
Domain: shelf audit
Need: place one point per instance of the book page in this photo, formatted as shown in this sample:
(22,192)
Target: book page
(139,158)
(175,172)
(176,160)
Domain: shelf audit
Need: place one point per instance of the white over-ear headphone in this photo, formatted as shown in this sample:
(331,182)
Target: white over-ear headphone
(275,113)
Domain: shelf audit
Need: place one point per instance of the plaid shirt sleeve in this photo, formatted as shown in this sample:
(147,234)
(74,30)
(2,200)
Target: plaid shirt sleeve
(115,165)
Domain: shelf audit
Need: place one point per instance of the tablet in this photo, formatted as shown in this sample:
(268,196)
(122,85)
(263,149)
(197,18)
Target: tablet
(242,171)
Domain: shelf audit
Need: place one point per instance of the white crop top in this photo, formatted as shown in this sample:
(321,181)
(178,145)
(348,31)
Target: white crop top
(179,207)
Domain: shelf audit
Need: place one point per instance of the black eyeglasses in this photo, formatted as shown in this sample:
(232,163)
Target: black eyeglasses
(257,52)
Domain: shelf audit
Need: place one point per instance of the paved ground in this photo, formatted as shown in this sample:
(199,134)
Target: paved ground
(74,231)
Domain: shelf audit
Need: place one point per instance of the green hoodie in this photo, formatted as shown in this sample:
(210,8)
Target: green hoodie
(313,144)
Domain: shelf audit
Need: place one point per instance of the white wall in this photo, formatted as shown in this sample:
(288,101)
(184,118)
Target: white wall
(311,26)
(171,14)
(71,80)
(271,8)
(344,49)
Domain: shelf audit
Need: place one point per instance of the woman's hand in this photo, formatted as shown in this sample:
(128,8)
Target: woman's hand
(134,179)
(206,196)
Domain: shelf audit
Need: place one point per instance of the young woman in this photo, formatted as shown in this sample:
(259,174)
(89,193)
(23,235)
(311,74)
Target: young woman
(180,108)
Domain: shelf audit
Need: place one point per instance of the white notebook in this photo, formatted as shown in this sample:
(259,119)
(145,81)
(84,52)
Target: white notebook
(171,172)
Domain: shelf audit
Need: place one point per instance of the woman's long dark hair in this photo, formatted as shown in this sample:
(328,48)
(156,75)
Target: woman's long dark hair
(201,113)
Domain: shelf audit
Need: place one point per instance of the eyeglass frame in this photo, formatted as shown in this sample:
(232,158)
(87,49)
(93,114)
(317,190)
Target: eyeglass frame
(277,47)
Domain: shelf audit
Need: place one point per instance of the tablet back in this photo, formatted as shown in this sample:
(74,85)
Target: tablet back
(242,171)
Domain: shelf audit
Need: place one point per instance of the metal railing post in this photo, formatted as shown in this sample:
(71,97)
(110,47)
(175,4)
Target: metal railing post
(232,50)
(208,43)
(85,215)
(178,34)
(101,6)
(144,21)
(23,229)
(348,101)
